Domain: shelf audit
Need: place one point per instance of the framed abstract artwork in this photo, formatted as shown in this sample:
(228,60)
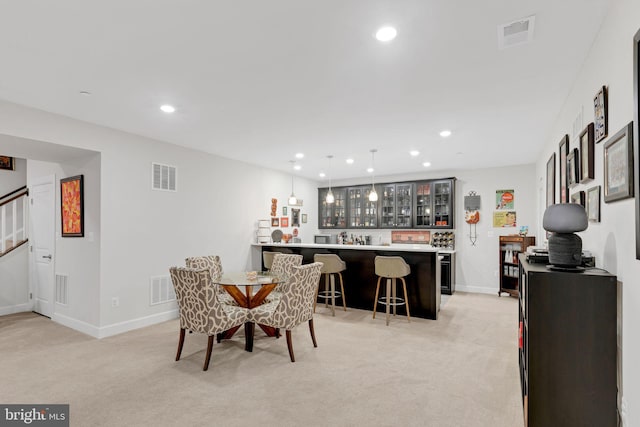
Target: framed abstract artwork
(618,165)
(295,217)
(7,163)
(551,180)
(564,151)
(593,204)
(72,206)
(573,168)
(275,222)
(284,221)
(586,154)
(304,218)
(601,125)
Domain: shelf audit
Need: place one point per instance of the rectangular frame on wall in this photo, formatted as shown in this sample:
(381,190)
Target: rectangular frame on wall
(587,164)
(636,133)
(564,152)
(551,180)
(601,114)
(72,206)
(593,204)
(7,163)
(573,168)
(618,164)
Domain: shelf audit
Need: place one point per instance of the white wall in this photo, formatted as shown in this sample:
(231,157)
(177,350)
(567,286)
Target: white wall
(613,240)
(12,180)
(14,292)
(144,232)
(477,266)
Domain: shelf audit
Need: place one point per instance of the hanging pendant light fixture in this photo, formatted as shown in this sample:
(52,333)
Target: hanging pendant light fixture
(373,196)
(330,199)
(293,200)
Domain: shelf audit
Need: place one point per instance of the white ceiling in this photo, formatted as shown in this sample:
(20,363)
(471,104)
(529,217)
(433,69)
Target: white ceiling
(260,80)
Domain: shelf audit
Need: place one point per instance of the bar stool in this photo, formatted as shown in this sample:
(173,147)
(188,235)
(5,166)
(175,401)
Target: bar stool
(332,265)
(391,268)
(267,259)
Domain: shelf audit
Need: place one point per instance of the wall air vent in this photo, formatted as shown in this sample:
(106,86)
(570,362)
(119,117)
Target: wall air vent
(161,290)
(517,32)
(163,177)
(62,281)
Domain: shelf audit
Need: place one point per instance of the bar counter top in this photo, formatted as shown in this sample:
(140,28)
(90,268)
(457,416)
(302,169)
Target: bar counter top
(399,247)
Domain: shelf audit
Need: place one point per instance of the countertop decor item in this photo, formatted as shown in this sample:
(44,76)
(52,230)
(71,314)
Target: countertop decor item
(565,247)
(276,236)
(264,231)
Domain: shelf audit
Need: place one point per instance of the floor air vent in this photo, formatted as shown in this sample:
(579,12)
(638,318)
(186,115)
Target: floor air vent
(161,290)
(163,177)
(62,289)
(516,32)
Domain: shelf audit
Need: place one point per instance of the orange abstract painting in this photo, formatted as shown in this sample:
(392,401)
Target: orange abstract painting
(72,205)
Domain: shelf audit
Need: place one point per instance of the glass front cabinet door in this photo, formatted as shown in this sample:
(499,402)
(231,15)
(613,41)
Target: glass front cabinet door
(434,204)
(395,208)
(361,212)
(332,215)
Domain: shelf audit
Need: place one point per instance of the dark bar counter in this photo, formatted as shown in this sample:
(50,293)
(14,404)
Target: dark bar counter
(423,284)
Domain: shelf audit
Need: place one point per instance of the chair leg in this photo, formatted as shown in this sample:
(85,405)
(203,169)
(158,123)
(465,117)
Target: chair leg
(290,346)
(278,333)
(249,331)
(315,301)
(208,356)
(406,299)
(394,295)
(387,299)
(326,289)
(313,333)
(332,280)
(375,300)
(344,301)
(180,344)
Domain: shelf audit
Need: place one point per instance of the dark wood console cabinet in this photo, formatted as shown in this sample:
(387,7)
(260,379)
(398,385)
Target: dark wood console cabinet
(567,347)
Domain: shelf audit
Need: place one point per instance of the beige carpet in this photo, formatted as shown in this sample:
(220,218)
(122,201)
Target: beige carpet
(458,371)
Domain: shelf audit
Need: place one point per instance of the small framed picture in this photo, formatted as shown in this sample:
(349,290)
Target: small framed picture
(551,180)
(304,218)
(618,165)
(593,204)
(601,125)
(72,206)
(573,168)
(564,152)
(295,217)
(586,154)
(284,210)
(578,198)
(275,222)
(284,221)
(7,163)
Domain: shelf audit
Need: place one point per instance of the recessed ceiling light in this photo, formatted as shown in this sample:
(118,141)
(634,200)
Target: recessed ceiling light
(299,155)
(168,108)
(85,93)
(369,170)
(426,164)
(414,153)
(297,167)
(445,133)
(349,161)
(386,34)
(322,174)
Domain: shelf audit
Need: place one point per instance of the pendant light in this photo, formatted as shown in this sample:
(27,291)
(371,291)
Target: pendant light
(293,200)
(330,199)
(373,196)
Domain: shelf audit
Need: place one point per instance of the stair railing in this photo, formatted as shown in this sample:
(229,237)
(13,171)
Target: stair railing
(13,220)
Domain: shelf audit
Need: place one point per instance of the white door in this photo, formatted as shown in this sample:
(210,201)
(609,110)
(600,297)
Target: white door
(42,212)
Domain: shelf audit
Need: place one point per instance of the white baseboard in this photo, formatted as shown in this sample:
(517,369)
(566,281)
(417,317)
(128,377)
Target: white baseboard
(141,322)
(78,325)
(18,308)
(477,289)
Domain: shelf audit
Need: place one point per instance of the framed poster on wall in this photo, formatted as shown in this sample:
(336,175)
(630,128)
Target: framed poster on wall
(564,152)
(636,134)
(72,206)
(551,180)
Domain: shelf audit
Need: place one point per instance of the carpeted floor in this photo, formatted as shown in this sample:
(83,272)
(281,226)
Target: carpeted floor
(458,371)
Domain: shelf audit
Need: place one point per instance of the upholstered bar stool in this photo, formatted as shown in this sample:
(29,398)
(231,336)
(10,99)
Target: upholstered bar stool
(332,266)
(391,268)
(267,259)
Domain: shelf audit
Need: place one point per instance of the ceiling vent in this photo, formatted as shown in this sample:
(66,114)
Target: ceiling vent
(516,32)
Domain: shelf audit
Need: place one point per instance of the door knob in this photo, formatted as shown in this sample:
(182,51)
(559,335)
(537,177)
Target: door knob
(47,256)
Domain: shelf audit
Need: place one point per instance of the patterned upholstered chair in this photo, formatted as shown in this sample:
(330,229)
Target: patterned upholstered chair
(214,265)
(200,309)
(283,264)
(295,306)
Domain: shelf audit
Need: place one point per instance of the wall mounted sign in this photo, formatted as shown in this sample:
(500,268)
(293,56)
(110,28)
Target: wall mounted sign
(505,199)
